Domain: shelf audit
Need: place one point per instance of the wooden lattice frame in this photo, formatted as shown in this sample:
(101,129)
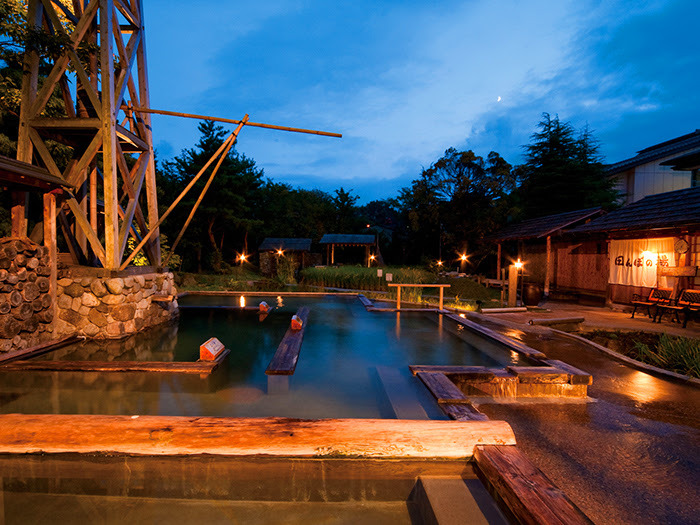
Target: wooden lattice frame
(94,130)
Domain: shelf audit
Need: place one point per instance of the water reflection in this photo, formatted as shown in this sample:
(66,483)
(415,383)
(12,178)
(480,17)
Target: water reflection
(644,387)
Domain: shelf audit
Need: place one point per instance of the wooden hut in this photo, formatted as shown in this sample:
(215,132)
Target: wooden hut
(272,248)
(341,240)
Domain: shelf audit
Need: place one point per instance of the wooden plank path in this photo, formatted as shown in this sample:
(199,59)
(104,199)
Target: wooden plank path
(272,436)
(450,398)
(284,362)
(37,350)
(181,367)
(530,497)
(518,346)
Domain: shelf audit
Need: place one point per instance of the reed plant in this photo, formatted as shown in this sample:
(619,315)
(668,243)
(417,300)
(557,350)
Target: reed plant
(678,354)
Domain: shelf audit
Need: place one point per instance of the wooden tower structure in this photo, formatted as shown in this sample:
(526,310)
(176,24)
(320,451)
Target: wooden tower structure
(102,76)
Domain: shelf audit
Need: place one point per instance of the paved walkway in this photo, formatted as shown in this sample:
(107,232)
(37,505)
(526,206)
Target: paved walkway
(604,318)
(632,455)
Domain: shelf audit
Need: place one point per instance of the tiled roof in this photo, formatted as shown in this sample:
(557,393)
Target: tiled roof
(286,244)
(690,161)
(685,143)
(672,209)
(543,226)
(341,238)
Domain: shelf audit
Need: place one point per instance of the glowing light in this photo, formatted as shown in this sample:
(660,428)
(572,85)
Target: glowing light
(518,264)
(280,252)
(463,257)
(498,99)
(368,226)
(243,257)
(648,255)
(372,257)
(439,263)
(241,301)
(463,316)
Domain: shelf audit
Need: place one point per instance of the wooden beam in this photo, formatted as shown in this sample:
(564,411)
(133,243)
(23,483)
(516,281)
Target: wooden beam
(273,436)
(524,489)
(231,121)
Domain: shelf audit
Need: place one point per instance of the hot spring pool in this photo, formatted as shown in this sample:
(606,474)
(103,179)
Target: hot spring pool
(336,375)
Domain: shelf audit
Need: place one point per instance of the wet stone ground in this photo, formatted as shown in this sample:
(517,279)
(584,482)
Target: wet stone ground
(632,455)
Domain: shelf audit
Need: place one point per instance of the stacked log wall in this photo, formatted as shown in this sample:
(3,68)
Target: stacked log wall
(26,309)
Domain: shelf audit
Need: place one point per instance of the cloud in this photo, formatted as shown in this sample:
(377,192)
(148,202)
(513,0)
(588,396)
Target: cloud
(403,81)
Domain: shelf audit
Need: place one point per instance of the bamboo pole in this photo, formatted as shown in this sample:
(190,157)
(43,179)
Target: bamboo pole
(231,141)
(232,121)
(184,192)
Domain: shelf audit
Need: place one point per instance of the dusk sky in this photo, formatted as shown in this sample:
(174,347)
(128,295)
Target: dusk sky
(405,80)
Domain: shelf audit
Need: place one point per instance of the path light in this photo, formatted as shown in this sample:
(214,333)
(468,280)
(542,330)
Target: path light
(518,264)
(463,257)
(280,252)
(439,263)
(242,257)
(372,257)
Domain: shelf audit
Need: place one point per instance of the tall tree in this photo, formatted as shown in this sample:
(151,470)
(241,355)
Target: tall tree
(563,171)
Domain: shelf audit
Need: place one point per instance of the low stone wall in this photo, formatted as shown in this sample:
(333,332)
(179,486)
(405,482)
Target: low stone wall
(25,304)
(102,306)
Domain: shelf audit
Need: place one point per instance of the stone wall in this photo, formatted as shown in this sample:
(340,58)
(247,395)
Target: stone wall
(25,303)
(99,305)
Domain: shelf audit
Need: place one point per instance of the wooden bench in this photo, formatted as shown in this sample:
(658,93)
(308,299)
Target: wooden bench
(656,297)
(688,303)
(284,362)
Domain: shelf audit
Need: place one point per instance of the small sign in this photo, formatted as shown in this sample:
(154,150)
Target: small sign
(296,322)
(389,277)
(210,350)
(380,272)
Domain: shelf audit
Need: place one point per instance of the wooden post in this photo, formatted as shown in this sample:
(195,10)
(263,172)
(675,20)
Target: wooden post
(25,149)
(109,138)
(512,285)
(144,100)
(398,297)
(50,243)
(367,255)
(328,254)
(498,263)
(441,297)
(332,253)
(548,274)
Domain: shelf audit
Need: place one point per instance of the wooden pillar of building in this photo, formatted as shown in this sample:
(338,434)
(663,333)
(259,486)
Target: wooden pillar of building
(549,269)
(367,255)
(332,253)
(50,243)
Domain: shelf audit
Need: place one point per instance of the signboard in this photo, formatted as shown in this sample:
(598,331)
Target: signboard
(209,350)
(389,277)
(380,272)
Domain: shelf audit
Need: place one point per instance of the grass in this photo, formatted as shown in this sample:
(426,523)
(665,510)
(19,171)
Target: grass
(677,354)
(239,279)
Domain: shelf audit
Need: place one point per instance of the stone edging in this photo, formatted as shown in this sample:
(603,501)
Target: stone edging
(651,369)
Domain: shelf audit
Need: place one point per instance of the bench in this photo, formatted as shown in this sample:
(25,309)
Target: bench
(657,296)
(688,303)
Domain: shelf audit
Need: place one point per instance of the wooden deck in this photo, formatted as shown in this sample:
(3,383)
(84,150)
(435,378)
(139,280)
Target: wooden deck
(284,362)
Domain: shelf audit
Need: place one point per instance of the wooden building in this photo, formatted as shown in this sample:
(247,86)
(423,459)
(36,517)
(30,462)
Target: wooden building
(653,169)
(652,242)
(550,260)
